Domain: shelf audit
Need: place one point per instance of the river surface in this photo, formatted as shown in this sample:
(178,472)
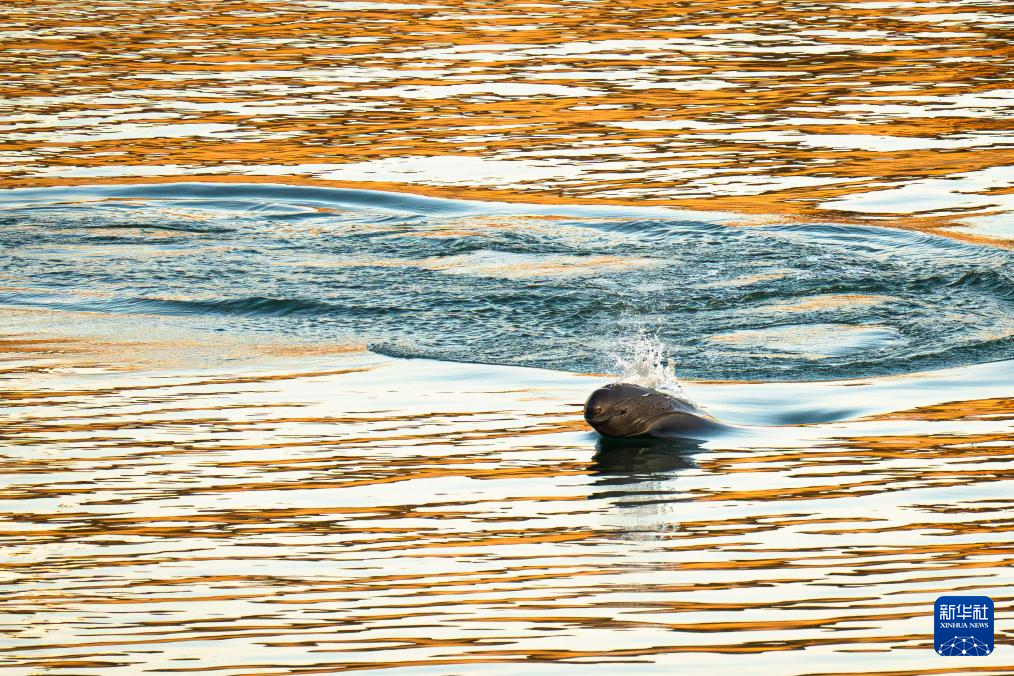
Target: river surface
(883,110)
(300,302)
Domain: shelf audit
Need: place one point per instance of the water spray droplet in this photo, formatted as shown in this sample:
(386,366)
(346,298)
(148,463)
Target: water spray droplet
(644,360)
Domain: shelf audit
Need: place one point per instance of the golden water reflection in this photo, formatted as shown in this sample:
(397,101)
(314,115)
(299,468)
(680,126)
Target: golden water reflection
(314,514)
(875,110)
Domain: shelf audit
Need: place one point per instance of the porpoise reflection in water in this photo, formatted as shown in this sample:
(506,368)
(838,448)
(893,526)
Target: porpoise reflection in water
(628,410)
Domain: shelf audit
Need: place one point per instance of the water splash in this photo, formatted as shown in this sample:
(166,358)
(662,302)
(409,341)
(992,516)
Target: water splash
(644,360)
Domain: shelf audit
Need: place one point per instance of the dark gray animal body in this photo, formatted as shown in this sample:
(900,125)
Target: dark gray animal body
(627,410)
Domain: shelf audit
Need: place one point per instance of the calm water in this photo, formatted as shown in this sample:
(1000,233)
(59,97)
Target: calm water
(299,303)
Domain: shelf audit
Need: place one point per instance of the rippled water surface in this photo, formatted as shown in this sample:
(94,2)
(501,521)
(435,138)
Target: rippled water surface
(300,302)
(512,284)
(851,109)
(319,515)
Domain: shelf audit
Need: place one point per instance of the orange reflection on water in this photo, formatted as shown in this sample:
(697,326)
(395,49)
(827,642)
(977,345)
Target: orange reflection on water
(844,110)
(382,514)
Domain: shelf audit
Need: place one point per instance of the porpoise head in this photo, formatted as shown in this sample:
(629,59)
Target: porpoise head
(628,410)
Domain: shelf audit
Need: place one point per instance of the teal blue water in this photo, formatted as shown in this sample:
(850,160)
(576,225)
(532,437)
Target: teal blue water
(552,287)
